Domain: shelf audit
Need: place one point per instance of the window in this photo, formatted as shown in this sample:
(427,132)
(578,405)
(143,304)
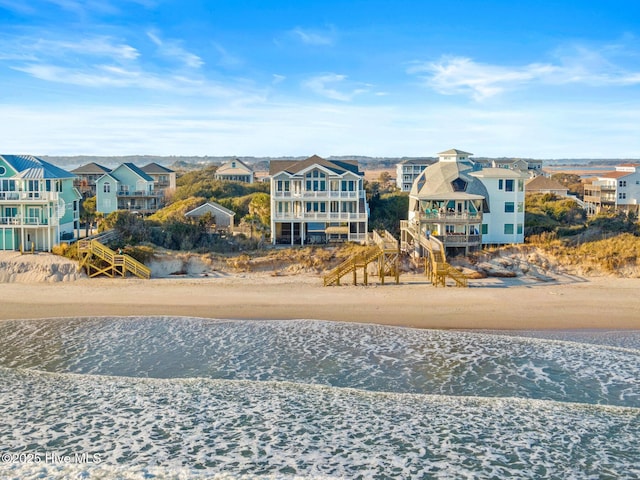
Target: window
(622,196)
(2,170)
(623,183)
(520,229)
(508,228)
(500,184)
(520,207)
(283,186)
(106,188)
(508,185)
(449,228)
(508,207)
(521,185)
(348,185)
(485,228)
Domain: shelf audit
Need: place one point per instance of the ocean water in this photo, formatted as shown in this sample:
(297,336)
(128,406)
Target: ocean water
(170,398)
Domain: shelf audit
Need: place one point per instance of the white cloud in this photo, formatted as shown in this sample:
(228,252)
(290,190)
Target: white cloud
(326,86)
(459,75)
(574,65)
(314,37)
(172,49)
(277,78)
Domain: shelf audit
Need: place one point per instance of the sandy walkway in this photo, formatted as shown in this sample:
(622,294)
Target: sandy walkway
(607,303)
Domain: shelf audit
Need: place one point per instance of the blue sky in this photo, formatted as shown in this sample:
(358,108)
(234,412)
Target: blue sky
(543,79)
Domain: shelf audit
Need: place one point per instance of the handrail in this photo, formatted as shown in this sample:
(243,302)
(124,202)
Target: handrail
(125,261)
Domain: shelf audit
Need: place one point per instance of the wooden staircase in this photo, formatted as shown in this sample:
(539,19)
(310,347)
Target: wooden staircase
(436,266)
(98,259)
(382,248)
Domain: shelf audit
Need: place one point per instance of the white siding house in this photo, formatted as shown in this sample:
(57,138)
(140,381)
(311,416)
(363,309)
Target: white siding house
(317,201)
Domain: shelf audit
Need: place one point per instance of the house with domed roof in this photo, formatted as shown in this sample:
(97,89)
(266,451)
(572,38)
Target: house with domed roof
(466,206)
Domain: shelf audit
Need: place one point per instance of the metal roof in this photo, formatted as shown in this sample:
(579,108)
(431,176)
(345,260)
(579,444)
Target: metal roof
(32,167)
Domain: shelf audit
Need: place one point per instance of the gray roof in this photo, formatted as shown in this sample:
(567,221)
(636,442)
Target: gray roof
(138,171)
(499,173)
(205,207)
(543,183)
(29,166)
(295,166)
(417,161)
(453,151)
(91,169)
(154,167)
(436,180)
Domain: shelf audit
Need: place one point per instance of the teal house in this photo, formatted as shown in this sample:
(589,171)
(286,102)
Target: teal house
(39,206)
(127,187)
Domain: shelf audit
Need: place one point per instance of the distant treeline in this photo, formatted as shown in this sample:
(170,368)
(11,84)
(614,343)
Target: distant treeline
(178,162)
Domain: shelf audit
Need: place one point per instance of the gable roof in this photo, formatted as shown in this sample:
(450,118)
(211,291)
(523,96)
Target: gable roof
(29,166)
(135,169)
(454,151)
(205,207)
(295,166)
(91,168)
(154,167)
(544,183)
(228,168)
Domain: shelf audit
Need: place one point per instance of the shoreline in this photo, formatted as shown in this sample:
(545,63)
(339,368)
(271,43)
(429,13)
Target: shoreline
(568,303)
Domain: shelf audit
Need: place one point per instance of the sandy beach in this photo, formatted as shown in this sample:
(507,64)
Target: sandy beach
(492,303)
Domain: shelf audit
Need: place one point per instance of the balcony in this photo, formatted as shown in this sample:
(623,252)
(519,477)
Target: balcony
(139,193)
(24,221)
(35,197)
(323,194)
(321,216)
(450,217)
(459,239)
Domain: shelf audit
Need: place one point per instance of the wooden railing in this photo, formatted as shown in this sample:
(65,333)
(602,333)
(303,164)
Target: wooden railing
(361,259)
(116,263)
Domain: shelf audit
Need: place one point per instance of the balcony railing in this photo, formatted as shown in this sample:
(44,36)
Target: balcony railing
(139,193)
(326,216)
(459,239)
(451,216)
(28,196)
(33,221)
(324,194)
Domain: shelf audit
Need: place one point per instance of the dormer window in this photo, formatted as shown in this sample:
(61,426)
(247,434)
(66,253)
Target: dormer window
(459,185)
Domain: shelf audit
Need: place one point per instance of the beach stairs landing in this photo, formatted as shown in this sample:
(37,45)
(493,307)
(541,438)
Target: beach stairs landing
(352,264)
(437,268)
(98,259)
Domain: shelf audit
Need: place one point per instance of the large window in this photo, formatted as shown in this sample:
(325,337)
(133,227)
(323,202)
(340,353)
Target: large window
(348,185)
(508,185)
(508,228)
(283,185)
(485,228)
(509,207)
(315,207)
(106,188)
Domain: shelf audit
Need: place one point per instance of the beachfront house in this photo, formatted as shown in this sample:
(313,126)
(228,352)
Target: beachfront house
(408,170)
(618,190)
(86,177)
(39,206)
(464,205)
(317,201)
(127,187)
(235,171)
(164,179)
(220,218)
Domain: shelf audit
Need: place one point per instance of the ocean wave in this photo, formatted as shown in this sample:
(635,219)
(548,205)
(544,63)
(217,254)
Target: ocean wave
(205,427)
(362,356)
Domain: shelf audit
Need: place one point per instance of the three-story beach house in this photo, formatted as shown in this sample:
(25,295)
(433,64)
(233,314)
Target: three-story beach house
(317,201)
(464,205)
(618,190)
(127,187)
(39,206)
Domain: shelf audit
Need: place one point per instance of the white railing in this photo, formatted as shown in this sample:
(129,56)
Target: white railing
(447,216)
(326,194)
(310,216)
(28,196)
(23,221)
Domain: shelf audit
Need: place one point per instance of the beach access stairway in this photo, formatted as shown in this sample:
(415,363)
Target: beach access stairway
(381,248)
(436,266)
(98,259)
